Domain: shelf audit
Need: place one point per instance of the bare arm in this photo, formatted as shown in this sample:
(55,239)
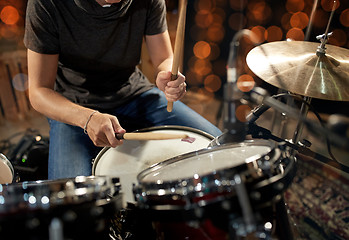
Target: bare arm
(42,69)
(161,54)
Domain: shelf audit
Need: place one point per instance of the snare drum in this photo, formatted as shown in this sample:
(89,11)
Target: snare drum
(76,208)
(129,159)
(6,170)
(211,186)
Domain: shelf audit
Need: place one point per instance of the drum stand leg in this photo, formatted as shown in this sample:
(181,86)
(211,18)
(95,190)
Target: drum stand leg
(246,226)
(283,225)
(239,228)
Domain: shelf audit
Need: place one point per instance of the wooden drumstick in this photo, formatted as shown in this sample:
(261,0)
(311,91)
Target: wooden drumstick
(179,42)
(150,136)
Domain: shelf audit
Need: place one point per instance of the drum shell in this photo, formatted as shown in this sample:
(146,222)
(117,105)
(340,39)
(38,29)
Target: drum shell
(83,208)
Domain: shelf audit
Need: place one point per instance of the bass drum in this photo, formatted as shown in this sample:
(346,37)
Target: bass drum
(129,159)
(6,170)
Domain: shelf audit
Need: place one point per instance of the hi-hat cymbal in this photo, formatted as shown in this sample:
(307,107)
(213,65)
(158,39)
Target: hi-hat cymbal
(295,66)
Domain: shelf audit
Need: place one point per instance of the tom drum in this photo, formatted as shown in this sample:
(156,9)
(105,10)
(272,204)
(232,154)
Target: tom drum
(6,170)
(210,192)
(76,208)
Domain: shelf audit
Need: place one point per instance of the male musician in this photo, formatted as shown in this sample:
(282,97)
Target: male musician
(83,75)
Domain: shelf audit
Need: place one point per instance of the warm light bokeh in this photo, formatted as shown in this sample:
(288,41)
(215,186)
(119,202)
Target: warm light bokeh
(216,22)
(9,15)
(344,17)
(273,33)
(245,83)
(202,49)
(294,6)
(242,111)
(299,20)
(212,83)
(295,34)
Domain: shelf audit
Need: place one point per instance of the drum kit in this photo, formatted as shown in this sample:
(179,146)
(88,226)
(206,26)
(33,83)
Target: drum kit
(209,188)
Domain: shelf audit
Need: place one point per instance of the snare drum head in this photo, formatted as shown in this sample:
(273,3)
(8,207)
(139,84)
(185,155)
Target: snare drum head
(6,170)
(200,177)
(127,160)
(205,162)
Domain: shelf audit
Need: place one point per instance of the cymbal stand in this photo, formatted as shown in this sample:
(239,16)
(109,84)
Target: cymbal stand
(321,52)
(300,125)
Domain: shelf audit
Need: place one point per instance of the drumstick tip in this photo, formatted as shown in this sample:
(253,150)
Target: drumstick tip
(188,139)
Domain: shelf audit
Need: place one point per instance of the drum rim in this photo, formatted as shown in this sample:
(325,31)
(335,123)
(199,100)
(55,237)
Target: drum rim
(58,192)
(205,150)
(4,159)
(275,184)
(148,129)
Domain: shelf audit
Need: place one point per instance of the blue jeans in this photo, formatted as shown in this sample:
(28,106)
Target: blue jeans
(71,151)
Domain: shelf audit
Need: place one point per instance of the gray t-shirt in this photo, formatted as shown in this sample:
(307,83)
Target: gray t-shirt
(99,47)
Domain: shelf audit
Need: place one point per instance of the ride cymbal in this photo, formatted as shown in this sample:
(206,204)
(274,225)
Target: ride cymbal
(295,66)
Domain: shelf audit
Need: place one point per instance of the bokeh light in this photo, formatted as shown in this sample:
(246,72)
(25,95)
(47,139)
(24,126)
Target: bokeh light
(203,19)
(259,12)
(20,82)
(202,49)
(344,17)
(219,16)
(293,6)
(299,20)
(237,21)
(327,5)
(286,21)
(321,19)
(193,79)
(273,33)
(295,34)
(259,33)
(9,15)
(207,5)
(242,111)
(215,33)
(212,83)
(245,83)
(202,67)
(339,37)
(215,51)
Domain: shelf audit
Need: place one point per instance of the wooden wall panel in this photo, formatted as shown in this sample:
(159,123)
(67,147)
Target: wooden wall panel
(14,86)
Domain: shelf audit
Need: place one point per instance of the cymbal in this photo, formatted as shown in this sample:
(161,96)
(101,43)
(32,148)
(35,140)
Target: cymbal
(294,66)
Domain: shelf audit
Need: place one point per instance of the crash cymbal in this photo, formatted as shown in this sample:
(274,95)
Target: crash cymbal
(295,66)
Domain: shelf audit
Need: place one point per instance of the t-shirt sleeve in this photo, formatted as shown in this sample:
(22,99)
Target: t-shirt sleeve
(156,22)
(41,33)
